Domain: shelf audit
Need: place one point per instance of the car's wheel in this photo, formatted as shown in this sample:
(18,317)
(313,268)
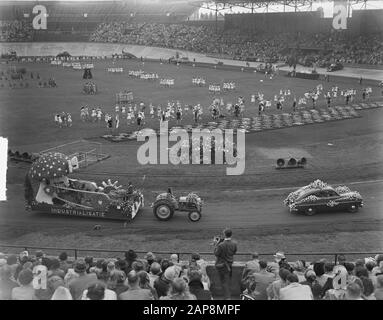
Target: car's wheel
(194,216)
(353,208)
(163,210)
(310,211)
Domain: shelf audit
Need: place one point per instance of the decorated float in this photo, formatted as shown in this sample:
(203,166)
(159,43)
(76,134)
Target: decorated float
(49,189)
(320,197)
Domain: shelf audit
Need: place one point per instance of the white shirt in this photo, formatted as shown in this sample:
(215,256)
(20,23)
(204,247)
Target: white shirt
(108,295)
(296,291)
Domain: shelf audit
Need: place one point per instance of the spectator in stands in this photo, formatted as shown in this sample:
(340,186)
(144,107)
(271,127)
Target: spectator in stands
(12,262)
(263,279)
(6,281)
(144,283)
(311,281)
(252,265)
(150,258)
(299,269)
(174,260)
(83,281)
(135,292)
(224,252)
(368,289)
(295,290)
(379,288)
(319,270)
(62,293)
(98,291)
(130,257)
(70,275)
(155,271)
(89,263)
(117,282)
(196,286)
(179,291)
(370,265)
(378,270)
(25,290)
(138,266)
(335,288)
(55,270)
(350,267)
(273,290)
(353,292)
(64,265)
(162,284)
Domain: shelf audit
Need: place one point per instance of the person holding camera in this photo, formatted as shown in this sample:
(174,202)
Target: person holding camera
(224,250)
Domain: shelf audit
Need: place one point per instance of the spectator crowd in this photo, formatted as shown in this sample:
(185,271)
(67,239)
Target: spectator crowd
(152,278)
(22,277)
(15,30)
(327,48)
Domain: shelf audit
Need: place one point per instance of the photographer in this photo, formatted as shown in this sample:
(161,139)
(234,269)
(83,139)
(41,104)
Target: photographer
(224,250)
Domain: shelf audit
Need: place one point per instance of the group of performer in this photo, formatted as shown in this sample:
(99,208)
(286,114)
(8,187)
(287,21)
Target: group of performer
(63,119)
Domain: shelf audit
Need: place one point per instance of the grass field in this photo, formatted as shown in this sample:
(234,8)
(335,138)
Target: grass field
(337,152)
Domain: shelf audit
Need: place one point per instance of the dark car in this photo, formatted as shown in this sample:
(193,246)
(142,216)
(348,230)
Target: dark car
(321,197)
(335,67)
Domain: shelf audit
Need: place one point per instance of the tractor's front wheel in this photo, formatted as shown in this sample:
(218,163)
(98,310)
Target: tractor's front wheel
(194,216)
(163,210)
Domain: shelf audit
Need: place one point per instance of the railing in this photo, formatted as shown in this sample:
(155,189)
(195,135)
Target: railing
(76,252)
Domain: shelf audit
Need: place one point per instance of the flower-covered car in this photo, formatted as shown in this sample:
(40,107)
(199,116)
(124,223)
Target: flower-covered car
(319,196)
(49,189)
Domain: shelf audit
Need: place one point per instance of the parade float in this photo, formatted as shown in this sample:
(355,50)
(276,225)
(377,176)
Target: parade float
(321,197)
(49,189)
(166,204)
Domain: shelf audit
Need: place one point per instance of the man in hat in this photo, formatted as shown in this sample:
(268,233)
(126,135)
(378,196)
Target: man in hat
(82,282)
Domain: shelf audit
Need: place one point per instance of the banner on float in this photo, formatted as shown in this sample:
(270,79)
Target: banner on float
(339,21)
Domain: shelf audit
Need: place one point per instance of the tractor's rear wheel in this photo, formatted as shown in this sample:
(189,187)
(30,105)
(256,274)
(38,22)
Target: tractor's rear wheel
(163,210)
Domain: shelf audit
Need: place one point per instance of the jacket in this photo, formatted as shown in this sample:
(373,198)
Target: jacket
(225,252)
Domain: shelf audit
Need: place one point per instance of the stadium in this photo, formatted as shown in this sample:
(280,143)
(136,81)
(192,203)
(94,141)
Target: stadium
(301,82)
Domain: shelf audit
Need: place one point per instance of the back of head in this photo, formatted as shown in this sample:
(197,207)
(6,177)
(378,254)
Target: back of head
(138,266)
(143,278)
(179,286)
(368,286)
(55,264)
(262,264)
(319,268)
(227,233)
(118,276)
(370,265)
(283,273)
(132,277)
(155,268)
(292,278)
(5,272)
(341,259)
(96,291)
(353,291)
(63,256)
(349,266)
(25,277)
(361,272)
(328,267)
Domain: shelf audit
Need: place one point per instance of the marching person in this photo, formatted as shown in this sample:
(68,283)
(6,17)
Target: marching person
(294,104)
(179,115)
(224,250)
